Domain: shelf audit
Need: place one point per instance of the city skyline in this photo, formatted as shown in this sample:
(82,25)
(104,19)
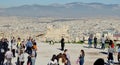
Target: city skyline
(14,3)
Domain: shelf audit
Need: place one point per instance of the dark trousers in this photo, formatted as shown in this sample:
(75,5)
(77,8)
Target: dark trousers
(18,62)
(2,58)
(62,46)
(110,56)
(103,46)
(21,63)
(29,62)
(1,62)
(118,56)
(81,62)
(13,51)
(95,45)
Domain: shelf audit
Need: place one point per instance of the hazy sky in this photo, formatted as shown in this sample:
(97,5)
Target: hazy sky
(12,3)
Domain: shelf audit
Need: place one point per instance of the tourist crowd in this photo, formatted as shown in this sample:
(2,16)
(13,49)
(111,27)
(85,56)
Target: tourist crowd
(16,48)
(64,58)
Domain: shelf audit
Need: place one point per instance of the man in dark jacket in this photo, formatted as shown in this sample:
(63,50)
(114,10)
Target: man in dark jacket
(95,42)
(62,44)
(3,49)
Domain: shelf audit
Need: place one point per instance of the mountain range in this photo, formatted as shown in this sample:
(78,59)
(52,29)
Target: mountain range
(74,9)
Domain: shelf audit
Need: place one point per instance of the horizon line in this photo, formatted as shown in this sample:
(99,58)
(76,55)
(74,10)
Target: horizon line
(60,4)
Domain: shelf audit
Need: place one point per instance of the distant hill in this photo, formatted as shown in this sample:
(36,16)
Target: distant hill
(75,9)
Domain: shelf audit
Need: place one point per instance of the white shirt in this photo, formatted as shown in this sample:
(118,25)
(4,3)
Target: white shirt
(14,46)
(8,54)
(21,57)
(103,40)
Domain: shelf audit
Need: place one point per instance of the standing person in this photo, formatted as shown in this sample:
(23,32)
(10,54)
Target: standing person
(118,57)
(13,46)
(13,40)
(23,45)
(67,57)
(62,44)
(8,56)
(110,54)
(13,49)
(81,58)
(2,52)
(29,46)
(33,58)
(35,47)
(5,44)
(103,42)
(95,42)
(1,58)
(29,60)
(111,43)
(18,44)
(90,42)
(21,57)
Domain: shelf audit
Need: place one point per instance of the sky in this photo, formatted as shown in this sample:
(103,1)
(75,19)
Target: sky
(14,3)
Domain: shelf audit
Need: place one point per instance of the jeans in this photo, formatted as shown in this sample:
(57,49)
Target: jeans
(62,46)
(81,61)
(103,46)
(33,60)
(90,44)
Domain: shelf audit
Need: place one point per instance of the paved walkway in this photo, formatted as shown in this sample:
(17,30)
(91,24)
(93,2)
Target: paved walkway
(45,52)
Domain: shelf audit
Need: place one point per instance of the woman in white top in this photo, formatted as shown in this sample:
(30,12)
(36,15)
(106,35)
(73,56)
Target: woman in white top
(8,56)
